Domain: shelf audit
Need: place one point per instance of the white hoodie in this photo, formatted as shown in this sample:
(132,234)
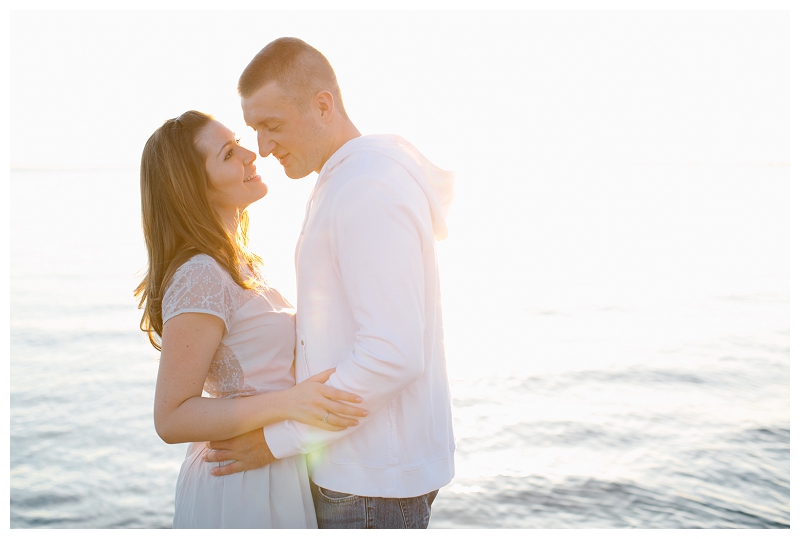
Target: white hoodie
(368,303)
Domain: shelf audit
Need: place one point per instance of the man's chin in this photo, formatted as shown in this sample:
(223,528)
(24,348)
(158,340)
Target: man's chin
(296,174)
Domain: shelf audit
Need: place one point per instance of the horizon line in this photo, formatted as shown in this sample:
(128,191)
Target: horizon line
(73,167)
(778,164)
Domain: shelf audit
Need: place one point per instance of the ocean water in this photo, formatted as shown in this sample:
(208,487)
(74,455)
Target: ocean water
(618,347)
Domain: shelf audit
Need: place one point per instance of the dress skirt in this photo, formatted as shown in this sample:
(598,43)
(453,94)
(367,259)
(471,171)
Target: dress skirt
(275,496)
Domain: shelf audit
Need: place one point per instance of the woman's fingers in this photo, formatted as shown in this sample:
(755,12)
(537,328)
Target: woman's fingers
(321,377)
(345,409)
(334,404)
(339,395)
(327,404)
(333,422)
(339,421)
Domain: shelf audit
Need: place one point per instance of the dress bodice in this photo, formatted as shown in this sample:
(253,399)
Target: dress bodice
(256,353)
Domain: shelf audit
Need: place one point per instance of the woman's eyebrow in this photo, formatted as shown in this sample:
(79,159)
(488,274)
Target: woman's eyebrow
(228,143)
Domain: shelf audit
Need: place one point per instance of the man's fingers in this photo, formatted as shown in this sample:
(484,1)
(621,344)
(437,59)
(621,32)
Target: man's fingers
(233,467)
(218,456)
(219,444)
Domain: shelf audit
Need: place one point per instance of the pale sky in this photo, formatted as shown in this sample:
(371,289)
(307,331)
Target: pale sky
(488,92)
(535,111)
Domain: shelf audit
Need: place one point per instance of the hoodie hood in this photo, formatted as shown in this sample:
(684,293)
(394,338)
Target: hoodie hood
(436,183)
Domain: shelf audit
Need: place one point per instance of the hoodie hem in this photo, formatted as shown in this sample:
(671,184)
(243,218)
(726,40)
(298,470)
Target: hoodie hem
(389,482)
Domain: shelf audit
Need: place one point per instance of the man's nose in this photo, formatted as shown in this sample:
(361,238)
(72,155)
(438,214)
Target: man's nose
(265,144)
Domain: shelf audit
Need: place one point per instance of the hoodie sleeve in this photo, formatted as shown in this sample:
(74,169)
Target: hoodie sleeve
(378,230)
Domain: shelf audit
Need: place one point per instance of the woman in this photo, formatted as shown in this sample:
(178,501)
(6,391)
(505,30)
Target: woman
(221,329)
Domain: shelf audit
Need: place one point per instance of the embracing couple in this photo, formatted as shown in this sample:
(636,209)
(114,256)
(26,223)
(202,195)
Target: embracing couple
(338,416)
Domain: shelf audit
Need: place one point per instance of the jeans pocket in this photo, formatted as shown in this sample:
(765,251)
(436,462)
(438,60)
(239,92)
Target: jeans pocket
(333,496)
(417,510)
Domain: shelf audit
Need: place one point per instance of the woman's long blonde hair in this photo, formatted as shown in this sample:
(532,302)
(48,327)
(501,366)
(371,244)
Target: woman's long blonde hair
(177,217)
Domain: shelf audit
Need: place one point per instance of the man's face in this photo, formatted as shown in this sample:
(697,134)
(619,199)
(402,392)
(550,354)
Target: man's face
(286,128)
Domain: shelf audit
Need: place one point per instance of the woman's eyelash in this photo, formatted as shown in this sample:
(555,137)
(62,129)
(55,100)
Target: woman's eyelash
(230,153)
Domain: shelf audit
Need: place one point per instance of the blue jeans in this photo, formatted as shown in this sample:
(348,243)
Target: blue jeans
(339,510)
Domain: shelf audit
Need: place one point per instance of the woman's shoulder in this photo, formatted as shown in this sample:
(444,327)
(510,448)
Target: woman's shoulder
(201,268)
(199,262)
(200,284)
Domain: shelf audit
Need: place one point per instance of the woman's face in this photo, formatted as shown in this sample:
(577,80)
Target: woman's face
(231,170)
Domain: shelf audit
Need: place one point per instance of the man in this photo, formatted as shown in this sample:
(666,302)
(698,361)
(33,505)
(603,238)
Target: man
(368,299)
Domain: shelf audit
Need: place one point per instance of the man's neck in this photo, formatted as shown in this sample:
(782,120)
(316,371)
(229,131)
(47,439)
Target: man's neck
(346,132)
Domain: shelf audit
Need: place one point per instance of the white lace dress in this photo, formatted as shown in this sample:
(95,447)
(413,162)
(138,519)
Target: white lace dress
(255,356)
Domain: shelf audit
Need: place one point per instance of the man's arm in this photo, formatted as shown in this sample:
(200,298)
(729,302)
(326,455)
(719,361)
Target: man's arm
(377,234)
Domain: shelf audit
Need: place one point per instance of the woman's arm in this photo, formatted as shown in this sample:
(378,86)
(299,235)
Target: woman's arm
(181,414)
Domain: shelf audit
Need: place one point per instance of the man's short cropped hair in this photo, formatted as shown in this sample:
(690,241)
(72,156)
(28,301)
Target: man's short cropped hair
(298,68)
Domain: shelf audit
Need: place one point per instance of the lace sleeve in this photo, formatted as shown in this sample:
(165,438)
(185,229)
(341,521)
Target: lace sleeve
(199,286)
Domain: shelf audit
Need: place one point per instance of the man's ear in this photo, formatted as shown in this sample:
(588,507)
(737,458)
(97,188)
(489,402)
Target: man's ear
(324,105)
